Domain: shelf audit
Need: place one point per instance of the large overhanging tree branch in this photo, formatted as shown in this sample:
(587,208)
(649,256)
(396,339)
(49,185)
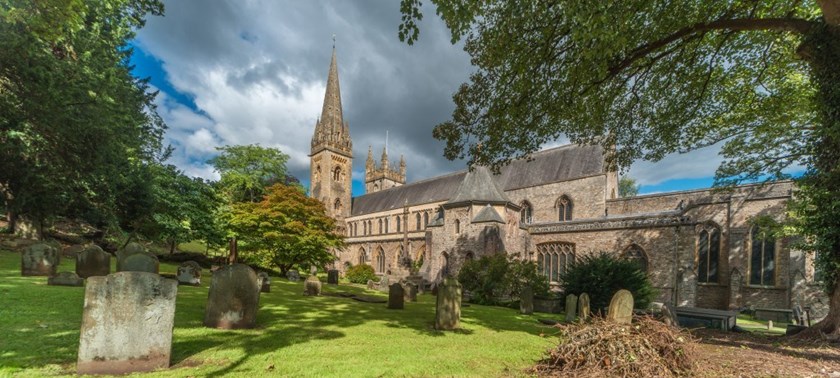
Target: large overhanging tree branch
(649,78)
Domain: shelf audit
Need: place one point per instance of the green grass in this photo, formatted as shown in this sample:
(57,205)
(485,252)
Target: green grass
(760,326)
(295,335)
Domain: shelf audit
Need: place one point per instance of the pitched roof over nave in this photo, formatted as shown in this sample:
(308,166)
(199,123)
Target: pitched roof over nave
(553,165)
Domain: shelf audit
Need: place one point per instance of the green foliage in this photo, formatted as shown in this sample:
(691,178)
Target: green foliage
(602,275)
(247,170)
(494,277)
(360,274)
(627,187)
(285,229)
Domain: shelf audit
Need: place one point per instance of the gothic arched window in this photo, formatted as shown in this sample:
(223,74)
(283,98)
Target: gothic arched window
(399,223)
(418,222)
(337,205)
(526,213)
(564,208)
(425,219)
(762,257)
(554,258)
(380,225)
(708,254)
(457,227)
(362,256)
(380,261)
(337,174)
(637,254)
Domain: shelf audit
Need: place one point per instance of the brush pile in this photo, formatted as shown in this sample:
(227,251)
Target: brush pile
(598,348)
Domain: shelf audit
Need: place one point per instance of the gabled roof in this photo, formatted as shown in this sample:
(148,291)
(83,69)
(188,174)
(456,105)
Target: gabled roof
(553,165)
(478,186)
(488,214)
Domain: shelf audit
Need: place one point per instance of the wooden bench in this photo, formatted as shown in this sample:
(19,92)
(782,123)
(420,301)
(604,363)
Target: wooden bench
(778,315)
(693,317)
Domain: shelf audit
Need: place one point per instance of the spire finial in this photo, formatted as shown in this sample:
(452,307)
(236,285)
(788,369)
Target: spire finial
(333,40)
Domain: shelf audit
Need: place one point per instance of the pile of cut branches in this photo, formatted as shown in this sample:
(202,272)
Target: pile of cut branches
(645,348)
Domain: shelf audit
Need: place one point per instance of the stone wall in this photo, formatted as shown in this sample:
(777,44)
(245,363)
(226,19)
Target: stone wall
(587,195)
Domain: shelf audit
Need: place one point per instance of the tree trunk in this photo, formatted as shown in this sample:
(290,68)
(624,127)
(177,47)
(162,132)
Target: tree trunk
(172,246)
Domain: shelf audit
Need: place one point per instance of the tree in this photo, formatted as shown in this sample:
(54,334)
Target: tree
(654,77)
(285,229)
(73,120)
(627,187)
(247,170)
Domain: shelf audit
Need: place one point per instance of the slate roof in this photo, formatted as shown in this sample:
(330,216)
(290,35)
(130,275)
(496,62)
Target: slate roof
(479,186)
(549,166)
(488,214)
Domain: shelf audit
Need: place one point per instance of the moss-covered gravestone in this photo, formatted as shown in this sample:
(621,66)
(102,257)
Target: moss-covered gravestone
(93,261)
(621,307)
(312,286)
(571,307)
(39,260)
(264,281)
(141,262)
(448,307)
(128,250)
(396,297)
(293,275)
(583,307)
(526,301)
(189,273)
(66,279)
(127,323)
(233,298)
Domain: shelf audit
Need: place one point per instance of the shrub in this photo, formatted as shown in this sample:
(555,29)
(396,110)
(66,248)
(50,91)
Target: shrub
(360,274)
(492,278)
(603,274)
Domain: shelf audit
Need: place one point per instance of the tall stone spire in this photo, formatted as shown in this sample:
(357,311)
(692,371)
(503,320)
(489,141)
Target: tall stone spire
(330,130)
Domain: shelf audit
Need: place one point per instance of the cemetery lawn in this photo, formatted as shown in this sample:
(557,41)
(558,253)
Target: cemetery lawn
(295,335)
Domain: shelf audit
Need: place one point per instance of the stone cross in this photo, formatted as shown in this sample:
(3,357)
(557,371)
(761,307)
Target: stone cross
(396,297)
(264,281)
(39,260)
(140,262)
(448,306)
(127,323)
(233,298)
(526,301)
(583,304)
(621,307)
(332,277)
(312,286)
(93,261)
(66,279)
(571,307)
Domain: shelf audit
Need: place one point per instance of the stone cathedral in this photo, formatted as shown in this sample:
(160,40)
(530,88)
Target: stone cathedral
(699,247)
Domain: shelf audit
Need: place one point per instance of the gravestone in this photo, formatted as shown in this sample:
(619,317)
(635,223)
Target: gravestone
(233,298)
(526,301)
(39,260)
(72,251)
(371,284)
(621,307)
(384,283)
(127,323)
(332,277)
(571,307)
(93,261)
(583,307)
(448,306)
(264,281)
(312,286)
(189,273)
(669,316)
(410,290)
(396,297)
(66,279)
(140,262)
(293,275)
(128,250)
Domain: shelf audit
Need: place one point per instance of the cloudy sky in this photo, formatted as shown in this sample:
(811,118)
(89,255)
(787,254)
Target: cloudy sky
(255,72)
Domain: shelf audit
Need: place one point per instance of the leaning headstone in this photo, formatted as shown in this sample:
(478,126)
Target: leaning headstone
(312,286)
(128,250)
(233,298)
(140,262)
(526,301)
(39,260)
(293,275)
(66,279)
(583,307)
(571,307)
(189,273)
(93,261)
(396,297)
(127,323)
(448,307)
(264,281)
(621,307)
(332,277)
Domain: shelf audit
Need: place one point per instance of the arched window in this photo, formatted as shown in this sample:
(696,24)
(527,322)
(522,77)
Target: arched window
(762,258)
(337,174)
(554,259)
(364,228)
(380,261)
(380,225)
(370,227)
(317,172)
(418,222)
(457,227)
(469,256)
(337,205)
(425,219)
(399,223)
(362,256)
(708,255)
(564,208)
(355,228)
(637,254)
(525,213)
(347,265)
(386,223)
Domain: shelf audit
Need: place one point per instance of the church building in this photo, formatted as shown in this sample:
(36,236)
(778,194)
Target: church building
(699,247)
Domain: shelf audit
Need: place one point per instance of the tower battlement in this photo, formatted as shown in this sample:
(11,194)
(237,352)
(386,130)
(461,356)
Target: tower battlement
(382,177)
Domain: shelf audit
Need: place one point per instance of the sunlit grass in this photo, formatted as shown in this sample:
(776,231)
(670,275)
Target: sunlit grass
(295,335)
